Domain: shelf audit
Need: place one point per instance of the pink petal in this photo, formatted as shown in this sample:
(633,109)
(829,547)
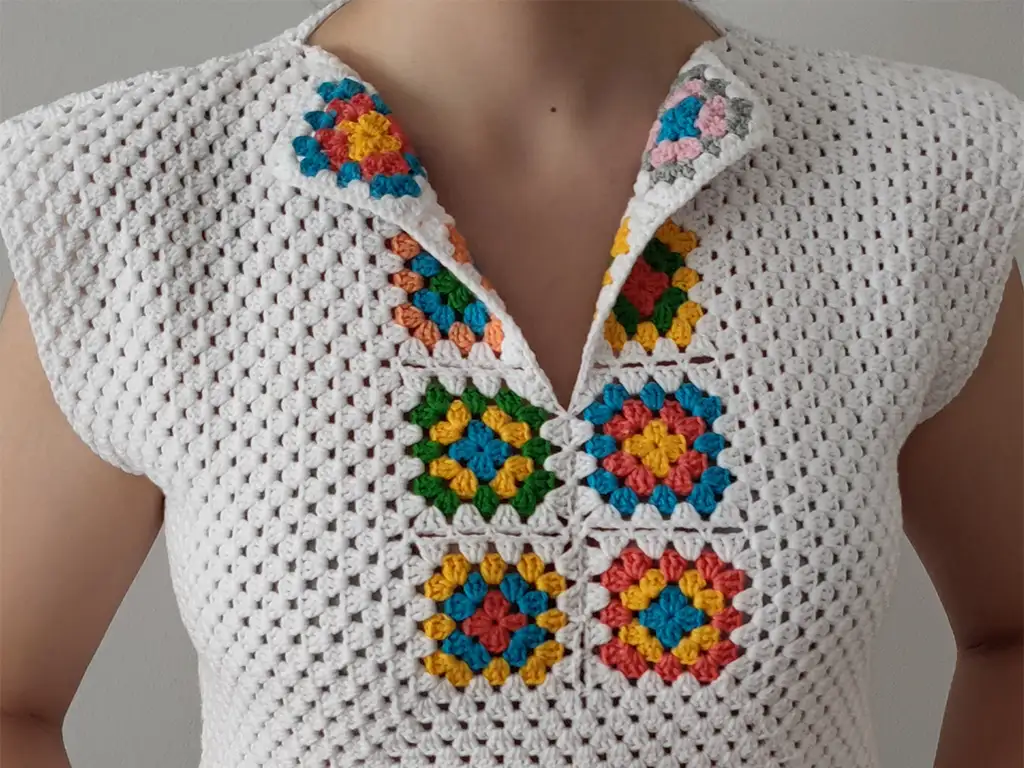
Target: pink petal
(662,154)
(711,120)
(688,149)
(687,89)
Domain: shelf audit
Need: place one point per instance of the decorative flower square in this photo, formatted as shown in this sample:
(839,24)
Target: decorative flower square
(494,619)
(653,302)
(481,451)
(695,119)
(356,138)
(440,306)
(656,447)
(671,616)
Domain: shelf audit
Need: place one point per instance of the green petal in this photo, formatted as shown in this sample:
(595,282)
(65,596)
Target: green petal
(538,449)
(509,402)
(475,401)
(661,258)
(425,415)
(427,450)
(428,486)
(533,416)
(665,308)
(460,298)
(487,501)
(627,315)
(447,502)
(444,282)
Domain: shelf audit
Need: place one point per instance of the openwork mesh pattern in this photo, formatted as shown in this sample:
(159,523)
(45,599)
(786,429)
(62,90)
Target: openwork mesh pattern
(391,545)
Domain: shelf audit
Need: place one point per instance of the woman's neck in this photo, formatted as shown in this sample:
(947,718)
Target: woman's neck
(471,59)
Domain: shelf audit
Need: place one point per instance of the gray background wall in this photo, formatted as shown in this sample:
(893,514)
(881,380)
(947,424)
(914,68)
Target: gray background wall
(139,704)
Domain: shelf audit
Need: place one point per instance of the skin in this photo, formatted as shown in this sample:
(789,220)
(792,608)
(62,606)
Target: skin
(71,549)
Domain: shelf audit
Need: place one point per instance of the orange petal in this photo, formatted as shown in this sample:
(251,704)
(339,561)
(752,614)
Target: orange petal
(409,316)
(463,337)
(494,335)
(461,254)
(428,333)
(403,245)
(408,281)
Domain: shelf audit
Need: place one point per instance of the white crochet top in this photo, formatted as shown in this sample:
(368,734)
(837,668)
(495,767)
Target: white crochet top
(390,545)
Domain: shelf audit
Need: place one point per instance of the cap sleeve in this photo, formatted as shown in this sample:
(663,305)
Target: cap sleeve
(72,202)
(978,230)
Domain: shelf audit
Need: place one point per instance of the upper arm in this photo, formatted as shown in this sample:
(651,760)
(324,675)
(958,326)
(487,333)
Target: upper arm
(75,530)
(960,478)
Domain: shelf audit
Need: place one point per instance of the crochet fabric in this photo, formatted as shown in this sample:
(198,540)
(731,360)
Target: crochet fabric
(390,544)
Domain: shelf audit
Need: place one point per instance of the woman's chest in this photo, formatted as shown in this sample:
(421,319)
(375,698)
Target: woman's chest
(372,478)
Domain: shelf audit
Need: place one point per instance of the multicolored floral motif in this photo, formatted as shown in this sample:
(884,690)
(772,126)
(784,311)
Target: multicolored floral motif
(673,617)
(494,620)
(653,302)
(656,447)
(440,306)
(356,138)
(694,120)
(481,451)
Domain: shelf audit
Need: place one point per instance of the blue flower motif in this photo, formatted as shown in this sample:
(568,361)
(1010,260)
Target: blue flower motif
(425,264)
(475,589)
(680,122)
(709,443)
(318,121)
(664,498)
(601,446)
(603,482)
(624,500)
(348,173)
(344,90)
(717,479)
(533,603)
(444,316)
(709,409)
(652,395)
(466,648)
(615,396)
(459,607)
(313,163)
(476,316)
(689,396)
(481,450)
(522,644)
(514,586)
(671,617)
(598,414)
(464,603)
(402,185)
(427,301)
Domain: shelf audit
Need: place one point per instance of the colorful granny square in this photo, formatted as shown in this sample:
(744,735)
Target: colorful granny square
(481,451)
(695,118)
(671,616)
(494,619)
(356,138)
(653,302)
(656,447)
(440,306)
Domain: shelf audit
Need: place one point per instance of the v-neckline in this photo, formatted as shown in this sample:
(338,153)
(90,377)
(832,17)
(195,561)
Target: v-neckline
(678,161)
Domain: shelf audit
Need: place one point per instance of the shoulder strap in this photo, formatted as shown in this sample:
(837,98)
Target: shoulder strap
(302,31)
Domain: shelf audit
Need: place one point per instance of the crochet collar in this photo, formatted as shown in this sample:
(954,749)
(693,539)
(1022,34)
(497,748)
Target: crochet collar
(342,142)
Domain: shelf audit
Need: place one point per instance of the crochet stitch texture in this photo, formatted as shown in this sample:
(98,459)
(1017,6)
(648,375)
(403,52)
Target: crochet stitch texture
(390,544)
